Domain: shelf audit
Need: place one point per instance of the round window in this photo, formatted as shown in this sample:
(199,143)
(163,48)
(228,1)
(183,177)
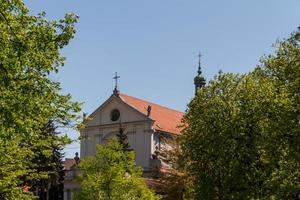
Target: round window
(114,115)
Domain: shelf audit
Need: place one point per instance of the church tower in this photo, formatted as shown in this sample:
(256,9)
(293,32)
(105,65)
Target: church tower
(199,80)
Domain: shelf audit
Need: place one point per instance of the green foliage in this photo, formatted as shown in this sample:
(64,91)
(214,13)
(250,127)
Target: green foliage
(283,69)
(242,140)
(29,52)
(112,174)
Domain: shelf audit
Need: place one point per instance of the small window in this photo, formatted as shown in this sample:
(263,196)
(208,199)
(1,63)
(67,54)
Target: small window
(157,141)
(114,115)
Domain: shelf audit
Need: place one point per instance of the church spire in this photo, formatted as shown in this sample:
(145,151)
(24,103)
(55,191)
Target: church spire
(199,80)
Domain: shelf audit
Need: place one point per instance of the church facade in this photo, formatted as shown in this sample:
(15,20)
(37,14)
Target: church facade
(143,122)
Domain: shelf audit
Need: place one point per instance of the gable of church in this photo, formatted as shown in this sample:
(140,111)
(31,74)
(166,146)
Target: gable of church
(107,113)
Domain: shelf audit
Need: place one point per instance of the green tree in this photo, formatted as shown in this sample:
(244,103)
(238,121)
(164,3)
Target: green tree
(283,70)
(29,52)
(112,174)
(242,133)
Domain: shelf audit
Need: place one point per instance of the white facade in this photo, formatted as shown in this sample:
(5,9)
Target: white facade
(100,128)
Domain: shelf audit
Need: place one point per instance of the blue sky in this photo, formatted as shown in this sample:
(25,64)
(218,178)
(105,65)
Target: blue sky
(153,45)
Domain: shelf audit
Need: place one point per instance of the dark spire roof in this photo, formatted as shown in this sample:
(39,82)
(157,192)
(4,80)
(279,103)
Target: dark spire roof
(199,80)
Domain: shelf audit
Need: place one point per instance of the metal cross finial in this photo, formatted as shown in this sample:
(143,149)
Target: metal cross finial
(199,67)
(199,55)
(116,77)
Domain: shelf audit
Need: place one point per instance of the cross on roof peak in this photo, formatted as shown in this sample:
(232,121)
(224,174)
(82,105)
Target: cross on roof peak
(116,77)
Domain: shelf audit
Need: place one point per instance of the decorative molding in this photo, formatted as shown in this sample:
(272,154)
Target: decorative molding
(112,125)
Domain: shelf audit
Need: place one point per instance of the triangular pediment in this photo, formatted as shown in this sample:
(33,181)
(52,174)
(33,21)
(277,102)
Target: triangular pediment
(103,114)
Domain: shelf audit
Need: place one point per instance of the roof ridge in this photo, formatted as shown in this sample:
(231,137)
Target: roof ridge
(151,103)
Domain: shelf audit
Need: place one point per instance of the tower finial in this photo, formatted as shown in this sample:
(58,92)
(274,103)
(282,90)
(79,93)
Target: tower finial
(199,64)
(199,80)
(116,77)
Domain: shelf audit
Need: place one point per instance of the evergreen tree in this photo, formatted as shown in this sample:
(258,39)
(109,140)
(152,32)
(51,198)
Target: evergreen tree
(123,140)
(48,163)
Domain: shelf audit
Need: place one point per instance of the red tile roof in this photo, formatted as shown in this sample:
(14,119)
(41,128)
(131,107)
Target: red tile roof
(157,185)
(165,119)
(68,163)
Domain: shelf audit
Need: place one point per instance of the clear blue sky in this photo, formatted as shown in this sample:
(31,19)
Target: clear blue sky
(153,45)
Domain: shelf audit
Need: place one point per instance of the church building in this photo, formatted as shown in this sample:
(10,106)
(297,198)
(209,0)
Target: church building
(146,125)
(143,122)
